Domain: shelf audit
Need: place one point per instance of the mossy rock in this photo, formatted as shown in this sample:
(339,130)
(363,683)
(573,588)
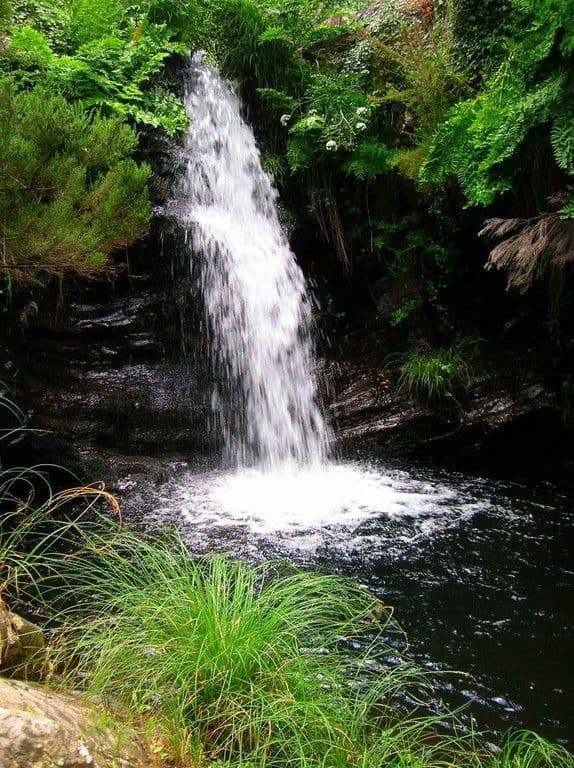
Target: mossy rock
(22,646)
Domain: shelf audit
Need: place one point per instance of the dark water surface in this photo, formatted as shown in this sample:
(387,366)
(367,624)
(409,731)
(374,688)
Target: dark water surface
(480,572)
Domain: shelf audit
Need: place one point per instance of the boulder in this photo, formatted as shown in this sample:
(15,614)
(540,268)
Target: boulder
(43,729)
(21,643)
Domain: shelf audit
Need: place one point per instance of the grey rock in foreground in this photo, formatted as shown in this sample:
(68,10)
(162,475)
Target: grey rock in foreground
(43,729)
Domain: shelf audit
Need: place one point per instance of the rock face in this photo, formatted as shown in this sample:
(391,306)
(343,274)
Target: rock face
(111,377)
(516,425)
(42,729)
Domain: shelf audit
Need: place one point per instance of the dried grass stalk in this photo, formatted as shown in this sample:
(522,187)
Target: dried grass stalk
(530,248)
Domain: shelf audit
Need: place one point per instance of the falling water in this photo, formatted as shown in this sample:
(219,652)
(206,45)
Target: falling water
(257,304)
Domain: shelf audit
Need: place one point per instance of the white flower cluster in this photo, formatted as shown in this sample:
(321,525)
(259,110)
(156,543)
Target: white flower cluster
(361,125)
(285,120)
(331,146)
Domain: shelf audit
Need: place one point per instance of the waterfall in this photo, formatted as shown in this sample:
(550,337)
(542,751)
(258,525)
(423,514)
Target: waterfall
(257,305)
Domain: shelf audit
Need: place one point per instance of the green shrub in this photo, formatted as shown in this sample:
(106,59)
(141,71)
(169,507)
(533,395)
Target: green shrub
(70,193)
(112,58)
(481,140)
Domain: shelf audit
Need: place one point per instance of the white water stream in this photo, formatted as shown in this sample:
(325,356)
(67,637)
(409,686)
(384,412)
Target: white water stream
(257,306)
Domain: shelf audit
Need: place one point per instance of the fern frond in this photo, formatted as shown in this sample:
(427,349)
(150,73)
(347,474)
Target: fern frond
(369,159)
(562,138)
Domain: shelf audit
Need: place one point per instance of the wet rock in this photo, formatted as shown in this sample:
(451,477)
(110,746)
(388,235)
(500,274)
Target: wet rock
(515,425)
(43,729)
(111,375)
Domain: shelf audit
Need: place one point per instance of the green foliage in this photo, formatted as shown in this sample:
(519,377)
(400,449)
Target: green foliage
(92,21)
(51,18)
(70,194)
(438,376)
(368,160)
(479,44)
(5,11)
(481,139)
(527,750)
(427,80)
(403,313)
(29,47)
(567,211)
(250,47)
(350,100)
(76,75)
(562,138)
(217,650)
(116,72)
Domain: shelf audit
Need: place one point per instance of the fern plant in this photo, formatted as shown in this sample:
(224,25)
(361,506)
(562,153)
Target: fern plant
(480,141)
(371,158)
(113,60)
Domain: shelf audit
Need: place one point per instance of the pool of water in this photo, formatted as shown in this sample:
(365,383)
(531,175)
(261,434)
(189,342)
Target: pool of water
(480,572)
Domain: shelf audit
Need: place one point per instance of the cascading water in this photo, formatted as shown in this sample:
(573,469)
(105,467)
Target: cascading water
(256,300)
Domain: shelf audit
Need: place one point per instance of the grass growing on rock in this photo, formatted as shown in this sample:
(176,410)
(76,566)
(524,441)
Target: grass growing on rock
(244,665)
(437,376)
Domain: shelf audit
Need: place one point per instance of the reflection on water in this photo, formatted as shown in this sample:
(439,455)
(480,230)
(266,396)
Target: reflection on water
(480,572)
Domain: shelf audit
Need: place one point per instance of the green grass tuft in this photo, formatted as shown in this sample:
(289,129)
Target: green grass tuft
(218,649)
(442,375)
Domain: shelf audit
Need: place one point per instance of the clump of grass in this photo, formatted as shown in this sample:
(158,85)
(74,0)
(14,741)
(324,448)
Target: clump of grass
(439,376)
(246,665)
(34,518)
(226,653)
(524,749)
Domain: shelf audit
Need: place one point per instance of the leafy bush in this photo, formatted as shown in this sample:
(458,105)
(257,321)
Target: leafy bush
(480,141)
(70,194)
(423,84)
(479,44)
(110,67)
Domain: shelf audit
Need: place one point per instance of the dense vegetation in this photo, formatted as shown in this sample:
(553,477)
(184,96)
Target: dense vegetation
(396,130)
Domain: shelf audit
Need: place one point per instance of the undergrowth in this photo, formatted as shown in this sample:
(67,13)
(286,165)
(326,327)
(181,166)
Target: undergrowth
(231,658)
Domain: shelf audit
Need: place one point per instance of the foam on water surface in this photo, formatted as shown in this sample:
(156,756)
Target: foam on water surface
(342,508)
